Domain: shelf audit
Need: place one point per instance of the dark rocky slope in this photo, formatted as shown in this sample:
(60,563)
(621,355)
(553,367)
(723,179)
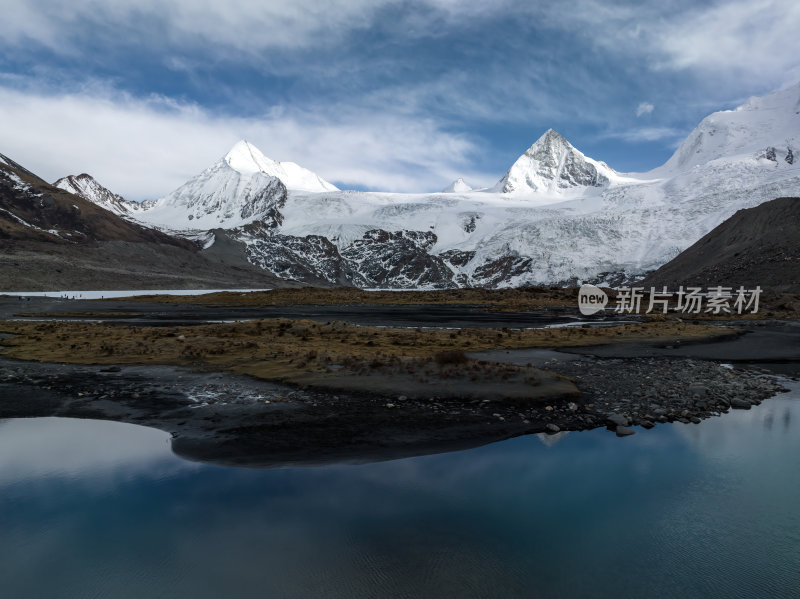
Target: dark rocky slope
(755,246)
(51,239)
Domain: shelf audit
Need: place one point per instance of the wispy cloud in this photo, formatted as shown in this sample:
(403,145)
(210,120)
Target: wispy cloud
(250,25)
(644,134)
(389,94)
(644,108)
(736,37)
(144,148)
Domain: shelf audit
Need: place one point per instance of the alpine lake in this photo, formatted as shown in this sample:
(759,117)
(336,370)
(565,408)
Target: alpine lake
(104,509)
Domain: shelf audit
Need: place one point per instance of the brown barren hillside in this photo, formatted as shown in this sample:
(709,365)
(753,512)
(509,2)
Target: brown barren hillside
(51,239)
(756,246)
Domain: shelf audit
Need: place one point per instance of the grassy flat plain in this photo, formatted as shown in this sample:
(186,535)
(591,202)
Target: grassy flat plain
(337,355)
(773,305)
(524,298)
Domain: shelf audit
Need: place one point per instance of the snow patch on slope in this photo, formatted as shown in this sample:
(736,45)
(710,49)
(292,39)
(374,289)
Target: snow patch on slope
(219,197)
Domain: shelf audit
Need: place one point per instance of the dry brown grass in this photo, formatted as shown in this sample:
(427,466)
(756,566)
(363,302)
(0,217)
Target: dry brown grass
(523,298)
(774,305)
(282,348)
(107,315)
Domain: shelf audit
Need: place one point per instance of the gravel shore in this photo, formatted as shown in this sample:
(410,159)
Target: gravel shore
(239,420)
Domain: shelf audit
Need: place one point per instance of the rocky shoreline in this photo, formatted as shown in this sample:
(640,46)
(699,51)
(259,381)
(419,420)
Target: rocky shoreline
(238,420)
(621,393)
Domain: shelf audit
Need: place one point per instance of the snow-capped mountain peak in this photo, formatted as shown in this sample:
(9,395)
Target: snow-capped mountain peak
(247,159)
(552,165)
(458,186)
(87,187)
(219,197)
(767,126)
(244,157)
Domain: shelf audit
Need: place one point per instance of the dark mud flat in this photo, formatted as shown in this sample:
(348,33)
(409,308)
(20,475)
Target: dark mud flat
(440,316)
(237,420)
(770,345)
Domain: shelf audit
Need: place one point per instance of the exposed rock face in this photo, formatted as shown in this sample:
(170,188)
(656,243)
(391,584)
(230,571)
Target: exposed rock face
(32,209)
(398,259)
(457,258)
(494,272)
(312,259)
(469,221)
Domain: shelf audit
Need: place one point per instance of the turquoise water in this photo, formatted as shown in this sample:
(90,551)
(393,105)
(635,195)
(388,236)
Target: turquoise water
(100,509)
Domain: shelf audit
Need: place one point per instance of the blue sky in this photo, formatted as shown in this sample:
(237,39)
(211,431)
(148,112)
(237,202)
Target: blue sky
(389,95)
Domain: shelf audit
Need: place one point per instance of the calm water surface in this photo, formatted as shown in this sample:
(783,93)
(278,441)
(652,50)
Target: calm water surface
(99,509)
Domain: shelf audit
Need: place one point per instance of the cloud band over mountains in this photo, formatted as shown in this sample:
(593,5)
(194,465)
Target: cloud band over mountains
(386,94)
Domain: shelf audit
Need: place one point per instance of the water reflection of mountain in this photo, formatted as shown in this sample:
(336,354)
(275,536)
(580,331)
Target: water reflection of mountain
(734,433)
(550,439)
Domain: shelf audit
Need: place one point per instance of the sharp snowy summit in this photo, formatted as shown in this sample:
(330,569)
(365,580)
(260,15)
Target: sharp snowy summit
(458,186)
(242,187)
(555,217)
(553,166)
(245,158)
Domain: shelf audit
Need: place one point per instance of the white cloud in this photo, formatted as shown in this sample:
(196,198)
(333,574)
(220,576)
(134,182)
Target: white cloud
(643,134)
(378,131)
(249,25)
(145,148)
(735,45)
(242,24)
(644,108)
(741,36)
(734,36)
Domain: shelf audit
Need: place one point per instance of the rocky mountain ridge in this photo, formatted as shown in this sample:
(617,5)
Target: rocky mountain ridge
(52,239)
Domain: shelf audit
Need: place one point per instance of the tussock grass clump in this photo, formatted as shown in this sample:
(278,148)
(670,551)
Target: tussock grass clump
(444,358)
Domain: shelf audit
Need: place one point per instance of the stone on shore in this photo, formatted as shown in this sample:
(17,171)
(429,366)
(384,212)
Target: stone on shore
(625,431)
(617,420)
